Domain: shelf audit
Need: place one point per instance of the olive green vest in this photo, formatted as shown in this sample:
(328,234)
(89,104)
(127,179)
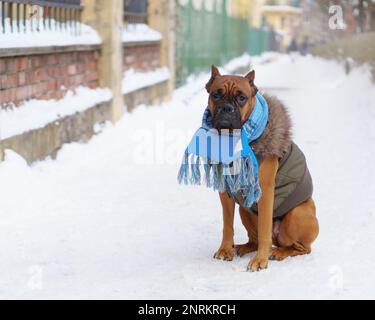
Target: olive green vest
(293,183)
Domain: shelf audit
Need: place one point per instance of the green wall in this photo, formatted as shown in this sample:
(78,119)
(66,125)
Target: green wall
(206,38)
(259,40)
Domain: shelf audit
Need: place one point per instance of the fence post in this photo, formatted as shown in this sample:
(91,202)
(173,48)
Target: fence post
(106,16)
(162,17)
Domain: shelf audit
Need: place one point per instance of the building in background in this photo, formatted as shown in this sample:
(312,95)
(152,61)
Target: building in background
(284,18)
(70,66)
(256,13)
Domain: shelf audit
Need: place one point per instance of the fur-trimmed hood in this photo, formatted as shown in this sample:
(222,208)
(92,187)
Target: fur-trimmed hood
(277,137)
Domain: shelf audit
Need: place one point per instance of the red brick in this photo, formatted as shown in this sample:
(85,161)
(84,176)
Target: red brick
(50,72)
(3,66)
(52,59)
(58,94)
(21,78)
(72,69)
(11,65)
(76,80)
(80,67)
(11,81)
(42,76)
(37,61)
(60,83)
(52,85)
(90,76)
(64,58)
(92,65)
(10,95)
(63,71)
(2,96)
(29,63)
(84,55)
(20,64)
(39,89)
(92,84)
(24,92)
(129,59)
(3,82)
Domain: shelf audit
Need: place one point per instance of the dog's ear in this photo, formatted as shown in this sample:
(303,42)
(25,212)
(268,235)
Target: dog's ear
(214,73)
(251,77)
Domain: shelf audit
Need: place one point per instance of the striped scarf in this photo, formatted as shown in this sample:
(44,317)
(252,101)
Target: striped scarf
(225,161)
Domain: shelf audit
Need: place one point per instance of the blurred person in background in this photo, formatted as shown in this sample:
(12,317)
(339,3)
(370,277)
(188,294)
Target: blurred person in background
(304,49)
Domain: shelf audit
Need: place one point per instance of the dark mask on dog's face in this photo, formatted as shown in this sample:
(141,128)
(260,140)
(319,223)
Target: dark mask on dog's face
(231,99)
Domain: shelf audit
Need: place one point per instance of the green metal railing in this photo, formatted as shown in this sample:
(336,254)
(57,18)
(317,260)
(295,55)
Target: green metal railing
(23,15)
(213,37)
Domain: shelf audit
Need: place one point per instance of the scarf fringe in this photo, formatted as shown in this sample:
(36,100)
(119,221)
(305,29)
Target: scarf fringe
(219,177)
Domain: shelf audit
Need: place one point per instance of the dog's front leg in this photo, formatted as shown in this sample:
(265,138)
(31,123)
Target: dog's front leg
(226,251)
(267,181)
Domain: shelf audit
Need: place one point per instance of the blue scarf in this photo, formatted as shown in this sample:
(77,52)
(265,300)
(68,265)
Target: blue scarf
(227,159)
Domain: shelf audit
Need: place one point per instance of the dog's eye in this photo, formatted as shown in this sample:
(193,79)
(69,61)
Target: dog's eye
(241,98)
(215,96)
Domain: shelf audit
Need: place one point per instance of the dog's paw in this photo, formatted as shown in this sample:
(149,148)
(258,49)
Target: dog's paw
(257,264)
(278,254)
(242,249)
(225,253)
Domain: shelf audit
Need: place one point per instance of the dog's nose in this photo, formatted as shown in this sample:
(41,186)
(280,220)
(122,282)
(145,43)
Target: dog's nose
(228,108)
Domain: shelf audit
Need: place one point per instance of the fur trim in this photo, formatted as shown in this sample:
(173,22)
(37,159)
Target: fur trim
(277,137)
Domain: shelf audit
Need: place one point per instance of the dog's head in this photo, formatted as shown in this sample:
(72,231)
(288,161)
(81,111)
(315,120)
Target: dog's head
(231,99)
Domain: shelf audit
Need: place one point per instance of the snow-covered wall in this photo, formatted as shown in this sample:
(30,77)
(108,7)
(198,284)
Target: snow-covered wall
(58,35)
(140,33)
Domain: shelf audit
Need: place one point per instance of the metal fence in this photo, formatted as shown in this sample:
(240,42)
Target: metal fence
(224,37)
(33,15)
(135,11)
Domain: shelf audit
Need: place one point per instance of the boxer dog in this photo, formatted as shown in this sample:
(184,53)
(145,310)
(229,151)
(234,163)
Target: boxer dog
(283,223)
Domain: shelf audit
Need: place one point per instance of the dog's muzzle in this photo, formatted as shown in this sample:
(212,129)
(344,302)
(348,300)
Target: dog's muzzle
(227,116)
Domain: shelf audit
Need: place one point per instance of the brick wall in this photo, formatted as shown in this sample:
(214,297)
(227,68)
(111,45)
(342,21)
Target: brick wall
(142,56)
(46,76)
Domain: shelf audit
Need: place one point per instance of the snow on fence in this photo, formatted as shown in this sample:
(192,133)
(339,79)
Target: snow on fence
(135,11)
(22,16)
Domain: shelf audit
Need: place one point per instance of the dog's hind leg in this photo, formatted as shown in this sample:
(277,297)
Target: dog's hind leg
(250,223)
(298,230)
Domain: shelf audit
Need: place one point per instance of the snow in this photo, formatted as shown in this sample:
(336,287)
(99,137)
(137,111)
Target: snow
(135,80)
(46,37)
(140,32)
(237,63)
(107,219)
(35,114)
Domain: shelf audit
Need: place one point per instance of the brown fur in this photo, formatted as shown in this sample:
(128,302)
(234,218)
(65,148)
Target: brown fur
(277,137)
(299,227)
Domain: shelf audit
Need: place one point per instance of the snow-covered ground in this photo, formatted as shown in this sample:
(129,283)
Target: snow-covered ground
(108,220)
